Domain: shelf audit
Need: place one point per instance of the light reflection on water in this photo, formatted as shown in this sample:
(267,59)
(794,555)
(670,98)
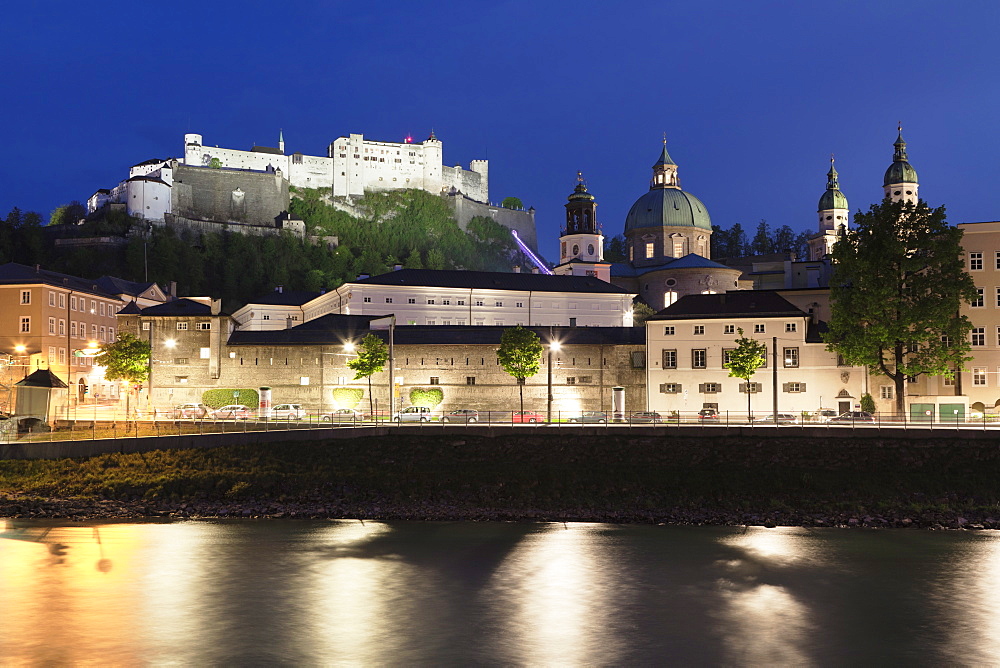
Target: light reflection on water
(406,593)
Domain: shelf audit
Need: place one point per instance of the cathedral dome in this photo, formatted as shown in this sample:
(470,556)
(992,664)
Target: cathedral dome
(832,199)
(668,207)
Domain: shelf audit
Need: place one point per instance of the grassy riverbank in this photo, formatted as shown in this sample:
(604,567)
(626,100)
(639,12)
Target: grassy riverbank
(766,479)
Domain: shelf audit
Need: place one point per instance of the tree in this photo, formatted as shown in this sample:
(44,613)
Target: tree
(744,360)
(520,355)
(641,312)
(616,250)
(126,359)
(512,203)
(762,243)
(898,283)
(372,356)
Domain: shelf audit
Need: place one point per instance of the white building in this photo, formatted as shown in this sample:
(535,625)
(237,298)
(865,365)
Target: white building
(353,165)
(432,297)
(688,342)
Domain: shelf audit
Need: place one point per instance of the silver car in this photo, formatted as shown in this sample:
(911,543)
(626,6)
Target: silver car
(413,414)
(288,412)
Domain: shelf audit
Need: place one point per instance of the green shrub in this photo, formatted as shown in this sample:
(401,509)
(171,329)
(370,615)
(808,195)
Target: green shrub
(429,397)
(867,403)
(223,397)
(347,397)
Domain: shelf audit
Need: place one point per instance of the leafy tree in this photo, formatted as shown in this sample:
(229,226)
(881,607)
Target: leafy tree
(744,360)
(641,312)
(616,250)
(898,283)
(126,359)
(520,355)
(512,203)
(372,357)
(68,214)
(215,163)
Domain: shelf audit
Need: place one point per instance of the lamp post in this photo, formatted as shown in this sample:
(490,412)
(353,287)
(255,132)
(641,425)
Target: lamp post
(553,347)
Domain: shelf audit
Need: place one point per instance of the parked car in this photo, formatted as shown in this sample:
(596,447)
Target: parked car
(782,418)
(851,417)
(412,414)
(645,417)
(708,414)
(823,415)
(520,417)
(466,415)
(190,411)
(287,412)
(590,416)
(233,411)
(342,415)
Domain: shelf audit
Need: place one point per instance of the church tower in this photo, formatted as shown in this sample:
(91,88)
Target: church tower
(581,244)
(900,181)
(281,141)
(834,216)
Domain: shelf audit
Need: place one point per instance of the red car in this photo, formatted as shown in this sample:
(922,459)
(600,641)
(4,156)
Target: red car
(526,416)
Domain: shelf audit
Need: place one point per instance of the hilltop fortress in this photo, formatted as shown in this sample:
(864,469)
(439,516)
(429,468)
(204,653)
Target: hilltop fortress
(212,185)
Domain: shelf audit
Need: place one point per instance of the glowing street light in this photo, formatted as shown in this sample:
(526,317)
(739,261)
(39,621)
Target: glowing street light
(554,346)
(170,343)
(349,346)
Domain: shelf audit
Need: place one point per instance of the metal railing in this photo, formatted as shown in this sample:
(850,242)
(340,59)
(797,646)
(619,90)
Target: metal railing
(111,422)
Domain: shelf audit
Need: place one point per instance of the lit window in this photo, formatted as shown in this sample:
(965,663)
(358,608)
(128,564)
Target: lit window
(208,325)
(979,376)
(978,301)
(649,249)
(669,297)
(791,357)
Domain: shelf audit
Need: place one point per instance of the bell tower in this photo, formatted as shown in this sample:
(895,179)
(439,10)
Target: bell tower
(900,183)
(581,244)
(834,216)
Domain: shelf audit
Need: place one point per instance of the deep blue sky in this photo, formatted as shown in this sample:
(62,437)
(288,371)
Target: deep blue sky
(753,96)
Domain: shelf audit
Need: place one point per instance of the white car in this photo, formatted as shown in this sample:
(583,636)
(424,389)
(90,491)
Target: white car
(783,418)
(287,412)
(413,414)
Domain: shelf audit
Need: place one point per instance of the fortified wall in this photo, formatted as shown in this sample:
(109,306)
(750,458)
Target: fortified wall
(229,196)
(523,222)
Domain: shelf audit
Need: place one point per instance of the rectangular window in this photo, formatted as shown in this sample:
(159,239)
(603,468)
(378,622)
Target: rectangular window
(729,329)
(498,304)
(411,300)
(638,359)
(975,261)
(62,355)
(446,302)
(710,388)
(791,326)
(670,388)
(52,301)
(997,260)
(754,388)
(521,304)
(461,302)
(978,302)
(205,325)
(111,333)
(145,326)
(182,326)
(699,330)
(93,306)
(585,379)
(571,381)
(791,357)
(431,301)
(949,381)
(102,309)
(649,249)
(62,300)
(479,302)
(998,297)
(367,300)
(726,356)
(72,303)
(62,327)
(885,392)
(26,296)
(52,326)
(699,358)
(204,353)
(435,380)
(979,336)
(180,360)
(470,380)
(794,387)
(93,332)
(52,353)
(979,376)
(72,328)
(669,359)
(668,330)
(758,328)
(103,334)
(388,300)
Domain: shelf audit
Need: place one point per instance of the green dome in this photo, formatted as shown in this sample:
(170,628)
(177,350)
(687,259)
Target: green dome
(832,199)
(668,207)
(900,172)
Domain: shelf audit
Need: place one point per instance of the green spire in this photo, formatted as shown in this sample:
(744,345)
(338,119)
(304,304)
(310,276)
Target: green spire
(665,158)
(832,183)
(832,198)
(900,145)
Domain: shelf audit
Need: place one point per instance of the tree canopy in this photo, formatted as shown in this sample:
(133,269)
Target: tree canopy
(898,284)
(744,360)
(126,359)
(371,359)
(520,355)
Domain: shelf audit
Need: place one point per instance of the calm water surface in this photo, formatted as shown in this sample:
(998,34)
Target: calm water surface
(309,593)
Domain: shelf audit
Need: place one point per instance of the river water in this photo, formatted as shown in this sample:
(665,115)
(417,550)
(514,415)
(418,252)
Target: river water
(311,593)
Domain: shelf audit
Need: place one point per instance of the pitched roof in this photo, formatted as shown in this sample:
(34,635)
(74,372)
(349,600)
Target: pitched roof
(336,330)
(130,309)
(286,298)
(179,307)
(757,303)
(689,261)
(119,286)
(492,280)
(42,378)
(14,273)
(266,149)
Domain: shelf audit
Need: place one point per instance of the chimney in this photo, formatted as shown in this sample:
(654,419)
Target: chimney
(279,289)
(173,289)
(534,270)
(288,322)
(397,267)
(517,269)
(216,306)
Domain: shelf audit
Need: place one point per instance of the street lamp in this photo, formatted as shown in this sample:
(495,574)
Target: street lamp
(554,346)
